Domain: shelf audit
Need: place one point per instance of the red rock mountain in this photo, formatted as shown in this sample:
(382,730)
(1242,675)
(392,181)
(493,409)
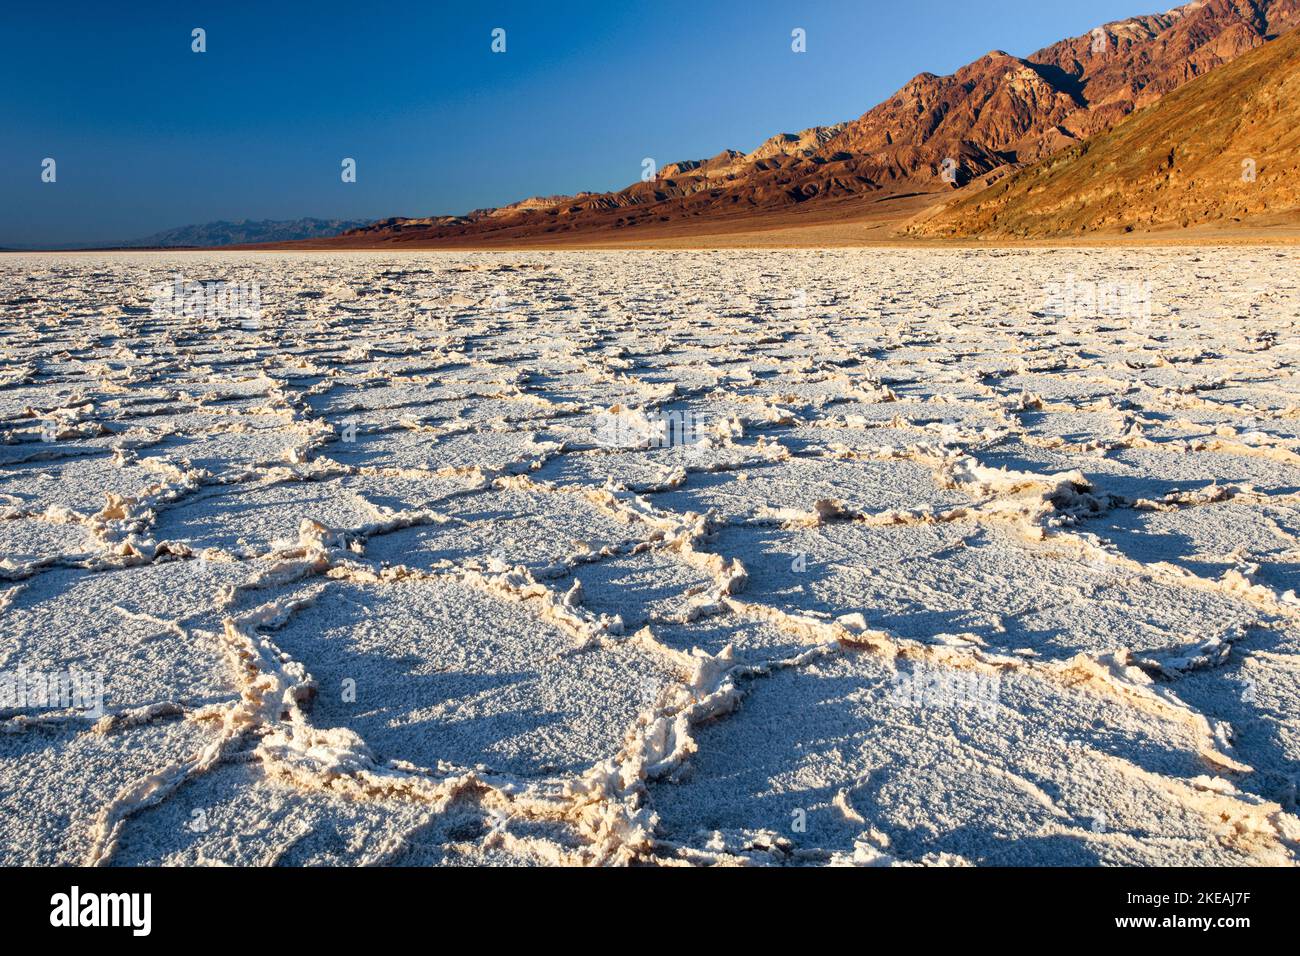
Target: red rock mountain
(991,116)
(1221,152)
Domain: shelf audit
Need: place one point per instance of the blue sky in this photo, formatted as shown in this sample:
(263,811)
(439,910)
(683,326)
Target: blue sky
(148,135)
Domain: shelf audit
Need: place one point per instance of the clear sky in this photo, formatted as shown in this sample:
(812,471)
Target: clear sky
(148,135)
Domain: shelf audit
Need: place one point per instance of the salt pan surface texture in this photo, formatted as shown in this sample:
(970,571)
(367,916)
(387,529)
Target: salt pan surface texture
(775,558)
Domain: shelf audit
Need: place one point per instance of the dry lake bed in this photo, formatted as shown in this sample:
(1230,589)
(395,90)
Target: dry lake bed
(792,558)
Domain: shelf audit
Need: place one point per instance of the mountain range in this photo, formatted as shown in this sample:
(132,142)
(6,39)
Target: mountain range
(1221,152)
(938,134)
(243,231)
(238,232)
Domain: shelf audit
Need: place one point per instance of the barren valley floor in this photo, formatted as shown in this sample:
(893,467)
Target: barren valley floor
(801,557)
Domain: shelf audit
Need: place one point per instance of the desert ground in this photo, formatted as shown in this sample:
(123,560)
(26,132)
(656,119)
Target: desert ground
(804,557)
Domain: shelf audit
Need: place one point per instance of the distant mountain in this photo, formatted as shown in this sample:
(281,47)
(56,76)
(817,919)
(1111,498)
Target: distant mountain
(1221,150)
(935,134)
(246,231)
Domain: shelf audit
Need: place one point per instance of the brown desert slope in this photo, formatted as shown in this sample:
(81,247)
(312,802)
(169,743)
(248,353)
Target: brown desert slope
(1222,150)
(983,121)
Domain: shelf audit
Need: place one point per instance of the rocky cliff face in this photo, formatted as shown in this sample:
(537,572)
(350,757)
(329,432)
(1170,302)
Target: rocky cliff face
(1002,109)
(1223,149)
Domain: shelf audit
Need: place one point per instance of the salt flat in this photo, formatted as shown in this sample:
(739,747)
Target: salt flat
(815,557)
